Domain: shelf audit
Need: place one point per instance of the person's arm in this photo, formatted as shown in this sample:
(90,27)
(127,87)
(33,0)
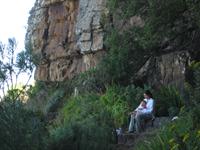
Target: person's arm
(139,108)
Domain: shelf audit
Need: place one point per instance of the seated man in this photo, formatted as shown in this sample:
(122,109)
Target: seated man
(143,112)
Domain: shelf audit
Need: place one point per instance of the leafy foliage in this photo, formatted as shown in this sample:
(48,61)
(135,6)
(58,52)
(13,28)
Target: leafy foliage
(115,103)
(168,101)
(46,97)
(90,81)
(192,85)
(83,124)
(124,58)
(20,129)
(54,102)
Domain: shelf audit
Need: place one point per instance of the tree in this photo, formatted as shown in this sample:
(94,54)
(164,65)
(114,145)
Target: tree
(12,65)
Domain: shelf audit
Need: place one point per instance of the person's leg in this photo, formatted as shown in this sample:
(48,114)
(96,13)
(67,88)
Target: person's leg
(132,123)
(138,122)
(139,118)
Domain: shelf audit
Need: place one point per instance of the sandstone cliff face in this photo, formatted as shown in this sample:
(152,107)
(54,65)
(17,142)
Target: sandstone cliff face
(66,35)
(68,38)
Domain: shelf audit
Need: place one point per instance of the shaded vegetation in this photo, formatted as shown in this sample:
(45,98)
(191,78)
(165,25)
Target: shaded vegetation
(168,101)
(83,124)
(21,129)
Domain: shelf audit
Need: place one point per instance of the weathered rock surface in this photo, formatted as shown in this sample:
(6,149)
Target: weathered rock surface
(64,34)
(167,69)
(89,32)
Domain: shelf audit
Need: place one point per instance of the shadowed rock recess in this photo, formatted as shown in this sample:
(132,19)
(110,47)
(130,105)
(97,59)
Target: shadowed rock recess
(67,37)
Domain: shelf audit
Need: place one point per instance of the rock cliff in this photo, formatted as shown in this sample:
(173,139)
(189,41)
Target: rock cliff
(68,37)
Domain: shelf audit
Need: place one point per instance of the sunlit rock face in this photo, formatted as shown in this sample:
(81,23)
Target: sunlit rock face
(67,37)
(89,32)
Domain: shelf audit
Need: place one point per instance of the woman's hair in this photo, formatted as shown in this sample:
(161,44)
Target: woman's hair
(148,93)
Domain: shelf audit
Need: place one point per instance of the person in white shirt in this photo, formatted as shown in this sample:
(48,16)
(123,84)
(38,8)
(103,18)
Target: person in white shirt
(142,112)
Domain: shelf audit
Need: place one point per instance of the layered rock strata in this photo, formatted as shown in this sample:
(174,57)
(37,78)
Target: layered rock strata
(66,36)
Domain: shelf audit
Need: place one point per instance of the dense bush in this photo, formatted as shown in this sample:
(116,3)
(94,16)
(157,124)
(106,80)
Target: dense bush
(38,95)
(47,97)
(92,80)
(20,129)
(115,103)
(55,101)
(83,124)
(125,57)
(88,121)
(190,74)
(192,85)
(168,101)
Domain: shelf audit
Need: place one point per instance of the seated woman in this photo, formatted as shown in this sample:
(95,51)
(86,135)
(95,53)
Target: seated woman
(143,112)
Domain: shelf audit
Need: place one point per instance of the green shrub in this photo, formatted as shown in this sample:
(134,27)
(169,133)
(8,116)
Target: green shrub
(196,117)
(190,74)
(55,101)
(38,96)
(12,95)
(192,86)
(90,81)
(83,124)
(125,57)
(47,97)
(168,101)
(20,129)
(115,103)
(195,91)
(119,101)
